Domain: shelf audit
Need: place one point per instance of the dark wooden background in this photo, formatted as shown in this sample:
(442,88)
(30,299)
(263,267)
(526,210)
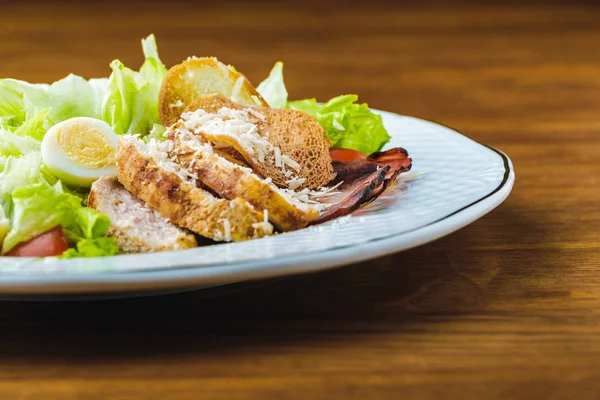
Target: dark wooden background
(507,308)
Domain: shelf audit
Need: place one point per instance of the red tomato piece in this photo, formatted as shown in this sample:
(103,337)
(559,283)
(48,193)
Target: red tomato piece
(51,243)
(345,155)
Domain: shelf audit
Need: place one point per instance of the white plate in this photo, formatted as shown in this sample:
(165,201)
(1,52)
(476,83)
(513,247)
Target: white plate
(454,181)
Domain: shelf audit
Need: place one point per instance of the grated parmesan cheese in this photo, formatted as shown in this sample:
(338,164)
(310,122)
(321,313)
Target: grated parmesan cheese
(160,153)
(235,91)
(241,126)
(177,104)
(278,162)
(294,184)
(289,162)
(227,230)
(257,114)
(223,69)
(256,100)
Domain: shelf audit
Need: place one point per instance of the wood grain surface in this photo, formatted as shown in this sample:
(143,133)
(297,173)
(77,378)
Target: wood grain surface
(507,308)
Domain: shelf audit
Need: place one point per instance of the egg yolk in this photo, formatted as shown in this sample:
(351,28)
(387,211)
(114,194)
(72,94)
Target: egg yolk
(86,146)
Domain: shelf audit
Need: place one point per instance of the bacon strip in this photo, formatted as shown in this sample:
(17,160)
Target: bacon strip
(353,194)
(363,180)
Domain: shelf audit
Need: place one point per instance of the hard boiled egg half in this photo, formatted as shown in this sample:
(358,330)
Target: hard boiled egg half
(80,150)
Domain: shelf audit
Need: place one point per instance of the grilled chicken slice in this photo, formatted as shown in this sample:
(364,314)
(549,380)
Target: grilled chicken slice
(137,228)
(230,180)
(147,171)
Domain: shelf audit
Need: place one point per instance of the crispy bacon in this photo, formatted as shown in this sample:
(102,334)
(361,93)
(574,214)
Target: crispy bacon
(363,180)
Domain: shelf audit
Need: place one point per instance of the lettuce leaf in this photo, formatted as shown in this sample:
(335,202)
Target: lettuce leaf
(130,103)
(22,171)
(12,104)
(36,209)
(35,127)
(119,99)
(98,247)
(348,124)
(127,100)
(4,224)
(35,201)
(273,88)
(32,200)
(12,144)
(87,234)
(158,133)
(69,97)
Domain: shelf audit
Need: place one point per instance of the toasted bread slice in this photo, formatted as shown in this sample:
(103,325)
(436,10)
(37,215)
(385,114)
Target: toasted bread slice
(145,171)
(136,228)
(288,146)
(200,77)
(231,180)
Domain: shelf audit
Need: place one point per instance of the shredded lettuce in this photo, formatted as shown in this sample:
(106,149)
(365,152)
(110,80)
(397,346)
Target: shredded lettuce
(273,88)
(348,124)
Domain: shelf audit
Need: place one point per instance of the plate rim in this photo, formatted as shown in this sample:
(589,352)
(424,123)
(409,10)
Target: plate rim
(178,276)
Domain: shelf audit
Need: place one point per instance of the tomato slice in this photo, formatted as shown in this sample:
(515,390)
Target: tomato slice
(345,155)
(51,243)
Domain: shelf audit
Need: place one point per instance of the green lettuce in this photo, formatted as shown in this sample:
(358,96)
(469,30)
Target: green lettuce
(37,209)
(12,104)
(34,127)
(158,133)
(98,247)
(35,201)
(127,100)
(12,144)
(273,88)
(348,124)
(32,200)
(22,140)
(130,102)
(87,233)
(69,97)
(4,224)
(22,171)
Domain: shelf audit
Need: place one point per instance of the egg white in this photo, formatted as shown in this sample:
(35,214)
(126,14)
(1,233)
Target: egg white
(71,171)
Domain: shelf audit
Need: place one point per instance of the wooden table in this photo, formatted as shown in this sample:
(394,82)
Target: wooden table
(508,307)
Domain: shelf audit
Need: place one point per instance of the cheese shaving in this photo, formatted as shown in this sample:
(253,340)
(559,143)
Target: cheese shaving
(235,91)
(294,184)
(160,153)
(241,126)
(223,69)
(227,229)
